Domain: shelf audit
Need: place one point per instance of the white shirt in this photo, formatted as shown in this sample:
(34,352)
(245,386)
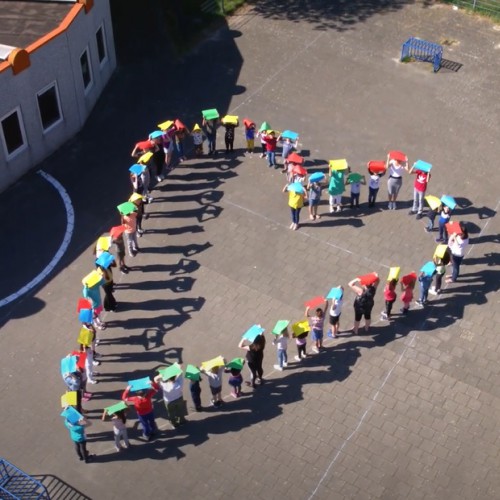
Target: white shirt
(172,390)
(336,307)
(395,170)
(281,343)
(374,181)
(457,245)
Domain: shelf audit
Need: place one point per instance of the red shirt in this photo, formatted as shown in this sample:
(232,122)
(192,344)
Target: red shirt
(389,292)
(421,180)
(270,142)
(142,404)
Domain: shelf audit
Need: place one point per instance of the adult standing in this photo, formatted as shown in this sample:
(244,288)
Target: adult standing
(397,163)
(210,129)
(173,397)
(363,303)
(296,197)
(457,243)
(254,359)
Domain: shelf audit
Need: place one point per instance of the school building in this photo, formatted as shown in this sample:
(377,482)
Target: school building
(56,57)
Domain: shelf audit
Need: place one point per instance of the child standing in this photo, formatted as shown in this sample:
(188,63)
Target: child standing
(335,312)
(431,214)
(249,134)
(143,405)
(77,434)
(197,136)
(271,141)
(195,390)
(130,223)
(390,298)
(407,296)
(314,189)
(295,202)
(373,187)
(425,281)
(335,188)
(355,180)
(419,188)
(444,218)
(281,343)
(441,264)
(288,146)
(119,420)
(235,380)
(301,342)
(117,240)
(229,136)
(215,382)
(317,324)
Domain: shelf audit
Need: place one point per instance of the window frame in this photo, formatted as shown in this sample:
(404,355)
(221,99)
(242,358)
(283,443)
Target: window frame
(58,98)
(20,149)
(104,60)
(87,88)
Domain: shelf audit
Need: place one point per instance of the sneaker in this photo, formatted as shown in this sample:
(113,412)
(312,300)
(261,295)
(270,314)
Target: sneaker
(139,234)
(427,230)
(124,270)
(234,395)
(433,291)
(212,402)
(118,448)
(159,178)
(394,205)
(412,212)
(285,364)
(332,209)
(403,311)
(389,206)
(419,303)
(96,363)
(419,215)
(101,326)
(89,458)
(297,358)
(439,240)
(339,208)
(278,367)
(315,349)
(262,155)
(383,315)
(92,381)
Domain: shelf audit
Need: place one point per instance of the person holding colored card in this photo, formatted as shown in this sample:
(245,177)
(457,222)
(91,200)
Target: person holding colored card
(118,416)
(373,186)
(117,240)
(390,298)
(129,221)
(94,294)
(296,197)
(317,323)
(363,303)
(457,243)
(335,312)
(336,187)
(172,385)
(425,280)
(281,343)
(444,218)
(235,379)
(198,138)
(396,165)
(271,141)
(229,136)
(407,286)
(214,376)
(419,189)
(355,180)
(77,434)
(314,189)
(210,129)
(441,263)
(253,357)
(143,404)
(249,134)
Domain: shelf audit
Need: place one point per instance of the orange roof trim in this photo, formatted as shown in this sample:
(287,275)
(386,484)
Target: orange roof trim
(19,59)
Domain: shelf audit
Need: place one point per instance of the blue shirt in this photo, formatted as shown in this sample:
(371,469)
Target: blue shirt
(76,432)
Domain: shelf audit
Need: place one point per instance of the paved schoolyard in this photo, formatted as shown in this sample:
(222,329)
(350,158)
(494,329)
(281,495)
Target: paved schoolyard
(409,410)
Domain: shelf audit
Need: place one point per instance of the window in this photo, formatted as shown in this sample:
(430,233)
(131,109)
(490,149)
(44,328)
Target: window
(48,106)
(101,45)
(13,135)
(86,69)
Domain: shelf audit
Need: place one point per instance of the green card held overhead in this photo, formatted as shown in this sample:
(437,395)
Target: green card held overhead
(170,371)
(110,410)
(280,326)
(265,126)
(210,114)
(236,363)
(192,373)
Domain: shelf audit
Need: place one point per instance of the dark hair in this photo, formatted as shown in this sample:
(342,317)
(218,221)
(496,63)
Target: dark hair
(463,228)
(121,415)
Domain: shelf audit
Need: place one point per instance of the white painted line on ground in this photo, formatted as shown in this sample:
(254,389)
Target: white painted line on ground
(70,225)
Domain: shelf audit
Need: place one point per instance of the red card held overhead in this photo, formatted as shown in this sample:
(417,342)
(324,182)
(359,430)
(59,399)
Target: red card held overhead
(295,158)
(398,156)
(179,125)
(145,145)
(297,169)
(248,123)
(315,302)
(453,228)
(83,304)
(368,279)
(409,278)
(376,167)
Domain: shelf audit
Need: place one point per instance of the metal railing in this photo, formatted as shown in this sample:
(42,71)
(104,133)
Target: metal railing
(485,6)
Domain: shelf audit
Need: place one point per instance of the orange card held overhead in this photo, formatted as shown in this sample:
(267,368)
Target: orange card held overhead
(368,279)
(453,228)
(315,302)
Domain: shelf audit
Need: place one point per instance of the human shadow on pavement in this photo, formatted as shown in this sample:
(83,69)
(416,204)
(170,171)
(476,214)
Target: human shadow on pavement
(59,489)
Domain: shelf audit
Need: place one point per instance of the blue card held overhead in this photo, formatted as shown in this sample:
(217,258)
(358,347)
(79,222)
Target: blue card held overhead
(317,177)
(429,268)
(139,384)
(296,187)
(137,169)
(155,134)
(85,316)
(71,415)
(105,260)
(449,201)
(335,293)
(253,332)
(68,365)
(289,134)
(422,166)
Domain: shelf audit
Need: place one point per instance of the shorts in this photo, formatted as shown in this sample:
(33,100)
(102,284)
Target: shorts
(316,334)
(215,390)
(313,203)
(334,320)
(359,313)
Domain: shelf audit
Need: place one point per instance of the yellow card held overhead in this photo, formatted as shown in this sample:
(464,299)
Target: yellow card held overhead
(440,251)
(85,336)
(103,243)
(338,164)
(433,201)
(165,125)
(394,273)
(68,399)
(212,363)
(92,279)
(300,327)
(145,158)
(230,120)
